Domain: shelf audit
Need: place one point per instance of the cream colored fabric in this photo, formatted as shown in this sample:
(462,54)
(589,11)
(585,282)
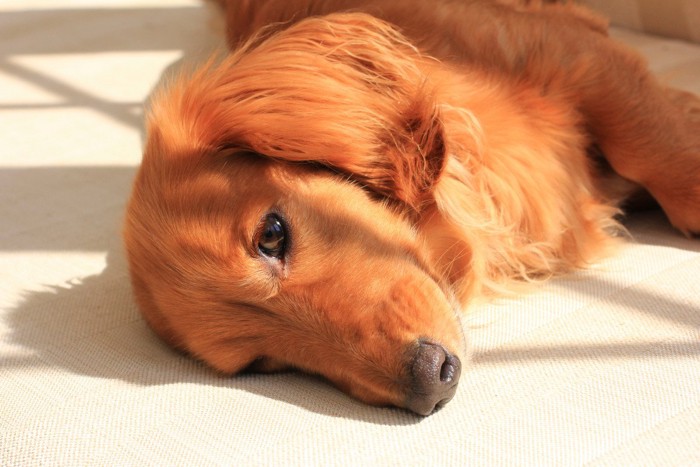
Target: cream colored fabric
(602,367)
(671,18)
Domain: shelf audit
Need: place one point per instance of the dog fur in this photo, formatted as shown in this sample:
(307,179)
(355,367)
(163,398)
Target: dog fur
(419,154)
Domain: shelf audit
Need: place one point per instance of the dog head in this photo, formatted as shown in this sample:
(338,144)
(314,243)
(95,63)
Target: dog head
(272,222)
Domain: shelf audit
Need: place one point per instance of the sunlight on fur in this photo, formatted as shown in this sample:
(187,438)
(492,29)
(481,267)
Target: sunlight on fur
(331,194)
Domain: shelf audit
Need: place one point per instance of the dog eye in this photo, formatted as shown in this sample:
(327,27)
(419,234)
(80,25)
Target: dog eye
(273,236)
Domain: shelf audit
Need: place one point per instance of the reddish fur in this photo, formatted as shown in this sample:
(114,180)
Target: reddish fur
(425,154)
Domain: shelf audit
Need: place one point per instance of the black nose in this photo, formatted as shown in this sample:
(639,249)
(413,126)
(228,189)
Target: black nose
(434,376)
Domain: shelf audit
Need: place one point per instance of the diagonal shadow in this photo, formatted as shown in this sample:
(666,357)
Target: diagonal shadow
(119,111)
(618,351)
(96,30)
(649,228)
(639,299)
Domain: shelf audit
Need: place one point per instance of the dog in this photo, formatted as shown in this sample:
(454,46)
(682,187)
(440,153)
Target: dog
(331,194)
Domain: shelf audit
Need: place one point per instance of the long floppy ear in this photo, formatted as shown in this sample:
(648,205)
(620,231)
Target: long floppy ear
(413,161)
(344,90)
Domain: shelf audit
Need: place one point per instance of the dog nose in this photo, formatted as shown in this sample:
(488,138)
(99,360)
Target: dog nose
(434,375)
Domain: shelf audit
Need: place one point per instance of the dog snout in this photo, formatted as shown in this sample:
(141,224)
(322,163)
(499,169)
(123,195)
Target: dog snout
(434,376)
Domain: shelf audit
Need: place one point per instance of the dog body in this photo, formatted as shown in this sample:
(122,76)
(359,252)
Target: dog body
(333,192)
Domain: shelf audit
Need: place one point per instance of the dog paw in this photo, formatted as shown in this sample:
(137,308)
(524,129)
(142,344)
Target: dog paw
(687,102)
(682,207)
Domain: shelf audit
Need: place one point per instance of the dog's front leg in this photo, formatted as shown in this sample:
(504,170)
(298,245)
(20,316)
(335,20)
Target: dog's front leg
(649,134)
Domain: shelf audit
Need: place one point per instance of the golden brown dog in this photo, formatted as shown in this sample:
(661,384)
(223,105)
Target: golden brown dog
(331,194)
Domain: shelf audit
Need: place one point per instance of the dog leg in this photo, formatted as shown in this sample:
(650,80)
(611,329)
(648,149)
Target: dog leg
(683,206)
(649,134)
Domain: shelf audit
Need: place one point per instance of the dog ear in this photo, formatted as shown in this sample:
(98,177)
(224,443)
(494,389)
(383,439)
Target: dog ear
(391,131)
(347,91)
(412,160)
